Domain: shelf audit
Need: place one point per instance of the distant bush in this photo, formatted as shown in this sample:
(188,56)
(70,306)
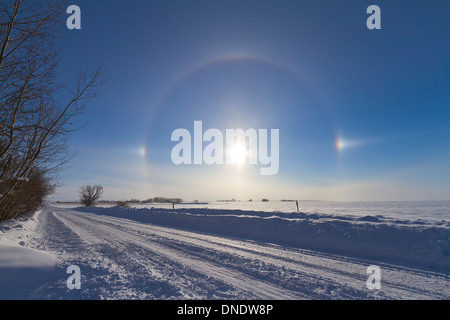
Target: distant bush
(265,200)
(123,204)
(164,200)
(29,194)
(89,195)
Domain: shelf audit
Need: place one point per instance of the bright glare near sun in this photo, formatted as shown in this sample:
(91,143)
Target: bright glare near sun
(339,144)
(238,154)
(143,152)
(342,144)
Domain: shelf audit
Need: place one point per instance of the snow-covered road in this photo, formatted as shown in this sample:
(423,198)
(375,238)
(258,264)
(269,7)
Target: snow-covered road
(125,259)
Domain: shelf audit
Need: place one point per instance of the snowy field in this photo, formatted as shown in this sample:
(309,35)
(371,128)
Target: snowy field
(431,211)
(230,250)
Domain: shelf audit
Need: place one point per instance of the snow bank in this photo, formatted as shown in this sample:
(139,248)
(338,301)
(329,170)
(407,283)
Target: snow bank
(18,231)
(411,243)
(23,270)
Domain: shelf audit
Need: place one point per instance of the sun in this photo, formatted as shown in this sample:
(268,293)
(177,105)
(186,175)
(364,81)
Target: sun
(238,153)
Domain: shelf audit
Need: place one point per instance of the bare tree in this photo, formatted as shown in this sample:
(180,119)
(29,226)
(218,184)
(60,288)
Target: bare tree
(89,195)
(34,124)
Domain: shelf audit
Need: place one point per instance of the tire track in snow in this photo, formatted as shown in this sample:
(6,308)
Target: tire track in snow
(318,275)
(196,265)
(246,286)
(149,275)
(105,268)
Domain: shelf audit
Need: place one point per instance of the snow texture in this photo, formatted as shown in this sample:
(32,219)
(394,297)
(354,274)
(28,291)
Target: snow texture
(23,270)
(373,237)
(202,253)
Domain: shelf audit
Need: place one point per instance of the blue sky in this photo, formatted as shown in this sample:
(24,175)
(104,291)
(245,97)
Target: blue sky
(362,114)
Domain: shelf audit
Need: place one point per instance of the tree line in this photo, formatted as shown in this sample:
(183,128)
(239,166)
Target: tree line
(38,114)
(91,194)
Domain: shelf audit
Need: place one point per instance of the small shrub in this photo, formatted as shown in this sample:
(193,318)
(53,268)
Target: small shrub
(122,204)
(89,195)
